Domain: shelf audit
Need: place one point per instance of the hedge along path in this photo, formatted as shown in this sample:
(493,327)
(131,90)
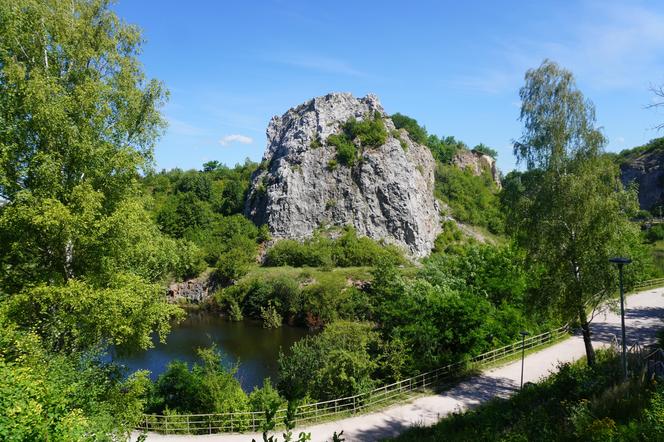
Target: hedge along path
(643,317)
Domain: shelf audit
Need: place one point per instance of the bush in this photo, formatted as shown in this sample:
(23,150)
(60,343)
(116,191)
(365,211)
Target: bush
(265,398)
(370,132)
(576,403)
(655,233)
(473,199)
(270,316)
(207,387)
(335,363)
(346,150)
(348,250)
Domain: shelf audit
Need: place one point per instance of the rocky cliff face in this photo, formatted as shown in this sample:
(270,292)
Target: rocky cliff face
(477,163)
(387,195)
(646,169)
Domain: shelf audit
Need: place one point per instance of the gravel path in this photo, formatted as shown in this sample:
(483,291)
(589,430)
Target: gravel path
(644,314)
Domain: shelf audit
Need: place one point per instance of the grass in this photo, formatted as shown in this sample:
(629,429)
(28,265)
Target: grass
(658,257)
(576,403)
(334,276)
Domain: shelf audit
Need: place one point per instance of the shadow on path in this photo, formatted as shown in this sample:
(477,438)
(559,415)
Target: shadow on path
(639,323)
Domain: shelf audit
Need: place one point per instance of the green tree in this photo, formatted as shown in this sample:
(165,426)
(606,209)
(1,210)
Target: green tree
(79,254)
(574,216)
(335,363)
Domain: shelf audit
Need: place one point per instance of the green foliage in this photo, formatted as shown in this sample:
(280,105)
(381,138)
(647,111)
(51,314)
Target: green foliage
(473,199)
(486,150)
(265,398)
(51,396)
(270,316)
(417,133)
(316,141)
(309,298)
(78,109)
(335,363)
(207,387)
(80,254)
(346,150)
(443,149)
(569,210)
(458,305)
(576,403)
(78,316)
(369,133)
(651,146)
(348,250)
(449,236)
(655,233)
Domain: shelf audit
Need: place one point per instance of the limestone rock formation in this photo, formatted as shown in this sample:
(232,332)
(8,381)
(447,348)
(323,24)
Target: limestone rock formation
(196,290)
(646,169)
(387,195)
(477,163)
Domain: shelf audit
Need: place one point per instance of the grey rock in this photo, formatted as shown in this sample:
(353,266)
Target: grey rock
(477,163)
(647,171)
(195,290)
(387,195)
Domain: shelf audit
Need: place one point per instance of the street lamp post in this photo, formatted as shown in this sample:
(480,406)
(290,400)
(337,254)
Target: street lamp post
(620,262)
(523,353)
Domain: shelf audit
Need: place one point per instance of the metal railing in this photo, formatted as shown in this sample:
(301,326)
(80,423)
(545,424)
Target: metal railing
(238,422)
(651,283)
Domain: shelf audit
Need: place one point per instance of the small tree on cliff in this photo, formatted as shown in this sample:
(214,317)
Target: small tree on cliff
(574,216)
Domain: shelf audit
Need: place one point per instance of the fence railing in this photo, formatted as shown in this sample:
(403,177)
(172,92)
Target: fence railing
(325,410)
(649,283)
(239,422)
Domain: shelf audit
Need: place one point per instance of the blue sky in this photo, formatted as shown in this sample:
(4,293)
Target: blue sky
(455,66)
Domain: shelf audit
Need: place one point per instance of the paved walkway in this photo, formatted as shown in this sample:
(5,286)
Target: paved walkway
(644,315)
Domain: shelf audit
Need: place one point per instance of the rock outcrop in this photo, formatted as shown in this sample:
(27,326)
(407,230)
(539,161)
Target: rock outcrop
(477,163)
(387,195)
(196,290)
(646,169)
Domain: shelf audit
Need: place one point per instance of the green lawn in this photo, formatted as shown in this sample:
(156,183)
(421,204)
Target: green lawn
(334,276)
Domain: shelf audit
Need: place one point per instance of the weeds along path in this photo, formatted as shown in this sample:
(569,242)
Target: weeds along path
(643,317)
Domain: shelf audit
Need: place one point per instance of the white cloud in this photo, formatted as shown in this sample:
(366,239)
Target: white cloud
(610,45)
(235,138)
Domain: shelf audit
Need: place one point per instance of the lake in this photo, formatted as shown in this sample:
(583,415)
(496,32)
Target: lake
(256,348)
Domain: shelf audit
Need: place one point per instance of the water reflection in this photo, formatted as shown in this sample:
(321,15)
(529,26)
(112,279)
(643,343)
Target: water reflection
(247,342)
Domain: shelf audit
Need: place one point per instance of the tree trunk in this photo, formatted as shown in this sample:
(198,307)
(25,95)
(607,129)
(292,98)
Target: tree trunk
(585,328)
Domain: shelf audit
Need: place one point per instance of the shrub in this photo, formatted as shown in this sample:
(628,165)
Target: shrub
(207,387)
(655,233)
(265,398)
(473,199)
(348,250)
(371,132)
(346,150)
(486,150)
(270,316)
(335,363)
